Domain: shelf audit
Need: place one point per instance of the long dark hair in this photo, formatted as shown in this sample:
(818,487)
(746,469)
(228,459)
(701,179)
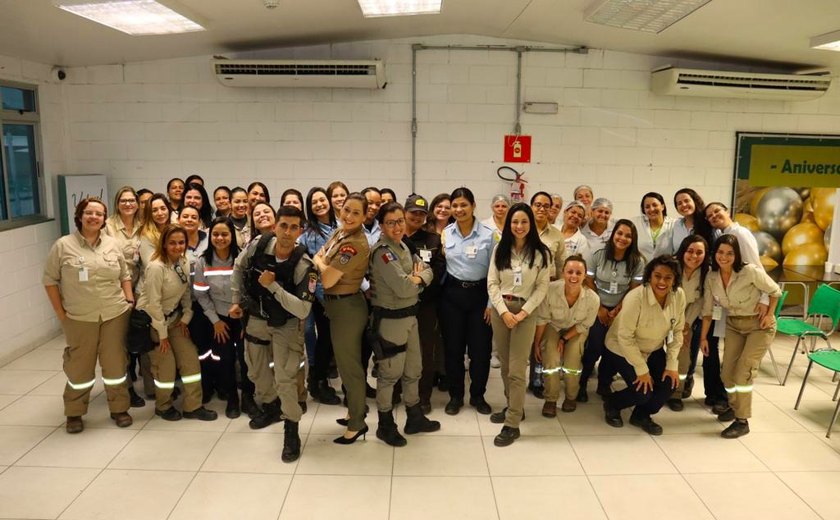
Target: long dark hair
(311,219)
(264,188)
(533,244)
(732,241)
(704,266)
(657,196)
(632,258)
(229,194)
(204,212)
(291,191)
(234,247)
(701,225)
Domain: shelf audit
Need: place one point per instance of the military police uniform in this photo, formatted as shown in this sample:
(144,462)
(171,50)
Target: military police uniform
(348,313)
(274,332)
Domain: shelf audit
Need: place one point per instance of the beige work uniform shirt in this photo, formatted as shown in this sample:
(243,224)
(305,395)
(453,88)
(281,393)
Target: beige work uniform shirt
(89,278)
(693,301)
(128,240)
(555,310)
(556,243)
(643,327)
(743,293)
(521,280)
(349,254)
(163,291)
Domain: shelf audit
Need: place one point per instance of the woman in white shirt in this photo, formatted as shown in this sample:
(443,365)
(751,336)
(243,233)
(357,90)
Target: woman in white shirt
(654,226)
(499,206)
(573,217)
(599,227)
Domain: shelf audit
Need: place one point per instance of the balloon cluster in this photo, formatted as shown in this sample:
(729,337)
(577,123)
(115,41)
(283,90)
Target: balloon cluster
(791,225)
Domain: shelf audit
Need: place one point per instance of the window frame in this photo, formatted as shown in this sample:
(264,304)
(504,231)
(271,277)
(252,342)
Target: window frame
(33,119)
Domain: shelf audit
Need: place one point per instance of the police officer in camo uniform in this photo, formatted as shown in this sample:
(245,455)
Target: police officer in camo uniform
(397,278)
(277,279)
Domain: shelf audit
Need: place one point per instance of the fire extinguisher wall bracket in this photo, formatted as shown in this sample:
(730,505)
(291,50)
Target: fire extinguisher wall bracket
(517,183)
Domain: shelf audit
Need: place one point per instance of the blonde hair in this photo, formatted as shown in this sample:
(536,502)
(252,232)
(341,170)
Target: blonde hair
(150,229)
(160,245)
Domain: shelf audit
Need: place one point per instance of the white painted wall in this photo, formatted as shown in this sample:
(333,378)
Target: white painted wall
(26,317)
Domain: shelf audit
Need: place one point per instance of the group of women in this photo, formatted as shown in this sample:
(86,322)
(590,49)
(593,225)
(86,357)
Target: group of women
(566,287)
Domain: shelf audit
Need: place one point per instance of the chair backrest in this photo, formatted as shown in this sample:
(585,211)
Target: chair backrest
(826,302)
(780,303)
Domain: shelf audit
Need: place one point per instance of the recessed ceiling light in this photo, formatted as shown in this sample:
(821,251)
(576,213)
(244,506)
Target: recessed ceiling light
(827,42)
(377,8)
(653,16)
(135,17)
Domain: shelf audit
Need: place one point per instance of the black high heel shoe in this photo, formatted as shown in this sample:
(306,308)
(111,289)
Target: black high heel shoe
(344,440)
(343,421)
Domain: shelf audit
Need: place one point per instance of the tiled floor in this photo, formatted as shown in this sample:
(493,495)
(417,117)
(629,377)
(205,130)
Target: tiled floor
(573,467)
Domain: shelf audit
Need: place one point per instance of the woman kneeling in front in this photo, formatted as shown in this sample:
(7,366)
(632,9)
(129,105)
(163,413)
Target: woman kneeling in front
(652,318)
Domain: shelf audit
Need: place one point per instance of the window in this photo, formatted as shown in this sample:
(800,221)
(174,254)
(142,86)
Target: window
(21,182)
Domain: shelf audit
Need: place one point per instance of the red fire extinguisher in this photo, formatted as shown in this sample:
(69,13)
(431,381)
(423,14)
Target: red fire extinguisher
(517,183)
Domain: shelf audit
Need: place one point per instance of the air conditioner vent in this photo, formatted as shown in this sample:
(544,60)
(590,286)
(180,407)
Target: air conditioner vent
(300,73)
(692,82)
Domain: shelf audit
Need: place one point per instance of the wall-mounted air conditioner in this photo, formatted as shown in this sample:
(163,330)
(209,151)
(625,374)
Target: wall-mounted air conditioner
(300,73)
(712,83)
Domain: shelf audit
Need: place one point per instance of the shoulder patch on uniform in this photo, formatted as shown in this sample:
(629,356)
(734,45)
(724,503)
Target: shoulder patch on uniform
(348,249)
(388,256)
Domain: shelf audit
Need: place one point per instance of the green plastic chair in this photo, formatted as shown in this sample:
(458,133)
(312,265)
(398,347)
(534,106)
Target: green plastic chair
(824,304)
(829,359)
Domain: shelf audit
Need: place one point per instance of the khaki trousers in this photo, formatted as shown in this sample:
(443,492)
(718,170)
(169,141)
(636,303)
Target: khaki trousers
(684,362)
(348,317)
(569,365)
(274,368)
(514,348)
(87,341)
(182,357)
(406,366)
(744,347)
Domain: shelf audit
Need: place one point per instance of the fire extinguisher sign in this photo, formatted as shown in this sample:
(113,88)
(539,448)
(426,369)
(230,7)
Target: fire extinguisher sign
(517,148)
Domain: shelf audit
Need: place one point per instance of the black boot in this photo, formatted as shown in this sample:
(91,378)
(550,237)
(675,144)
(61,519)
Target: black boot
(270,415)
(232,410)
(416,421)
(291,442)
(249,406)
(136,400)
(387,430)
(321,391)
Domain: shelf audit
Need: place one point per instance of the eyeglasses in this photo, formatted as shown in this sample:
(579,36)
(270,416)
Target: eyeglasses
(392,223)
(539,205)
(128,202)
(180,272)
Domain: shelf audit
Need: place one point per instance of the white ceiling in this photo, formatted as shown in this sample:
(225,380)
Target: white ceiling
(745,31)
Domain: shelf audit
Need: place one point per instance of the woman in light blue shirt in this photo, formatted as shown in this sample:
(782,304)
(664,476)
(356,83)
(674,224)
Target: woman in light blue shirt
(464,314)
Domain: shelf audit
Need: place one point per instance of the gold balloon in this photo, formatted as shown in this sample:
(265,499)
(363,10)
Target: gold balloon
(768,263)
(801,234)
(807,211)
(824,201)
(809,254)
(746,220)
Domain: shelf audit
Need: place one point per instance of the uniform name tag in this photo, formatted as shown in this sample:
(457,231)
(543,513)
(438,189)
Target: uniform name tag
(670,336)
(517,278)
(613,287)
(83,274)
(717,312)
(471,251)
(426,255)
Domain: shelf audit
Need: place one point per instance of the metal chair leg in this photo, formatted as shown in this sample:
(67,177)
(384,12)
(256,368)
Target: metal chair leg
(833,419)
(792,357)
(804,381)
(775,367)
(836,390)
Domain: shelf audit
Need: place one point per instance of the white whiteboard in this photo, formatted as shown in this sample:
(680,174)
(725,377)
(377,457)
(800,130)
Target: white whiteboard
(72,189)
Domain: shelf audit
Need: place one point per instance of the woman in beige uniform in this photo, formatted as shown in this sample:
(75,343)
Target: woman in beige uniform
(89,286)
(342,263)
(517,282)
(166,299)
(736,287)
(563,322)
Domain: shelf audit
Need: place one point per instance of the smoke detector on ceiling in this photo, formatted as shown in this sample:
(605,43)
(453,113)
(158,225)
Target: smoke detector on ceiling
(271,4)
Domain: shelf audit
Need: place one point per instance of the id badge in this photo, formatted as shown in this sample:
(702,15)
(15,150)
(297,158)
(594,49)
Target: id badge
(517,278)
(426,255)
(471,251)
(670,336)
(613,287)
(717,312)
(83,274)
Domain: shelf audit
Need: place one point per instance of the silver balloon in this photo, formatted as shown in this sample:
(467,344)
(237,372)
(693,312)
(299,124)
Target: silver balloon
(804,192)
(778,210)
(768,246)
(827,237)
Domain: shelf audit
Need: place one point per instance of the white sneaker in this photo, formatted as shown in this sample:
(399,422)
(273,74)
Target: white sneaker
(494,361)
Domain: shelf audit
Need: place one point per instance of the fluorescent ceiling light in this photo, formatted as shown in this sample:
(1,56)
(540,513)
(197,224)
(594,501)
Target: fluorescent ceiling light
(135,17)
(653,16)
(827,42)
(377,8)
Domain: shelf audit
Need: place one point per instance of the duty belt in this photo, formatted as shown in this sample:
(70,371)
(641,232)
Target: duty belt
(339,296)
(464,284)
(395,314)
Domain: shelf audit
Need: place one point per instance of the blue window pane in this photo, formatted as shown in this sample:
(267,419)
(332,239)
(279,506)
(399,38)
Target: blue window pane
(18,99)
(21,170)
